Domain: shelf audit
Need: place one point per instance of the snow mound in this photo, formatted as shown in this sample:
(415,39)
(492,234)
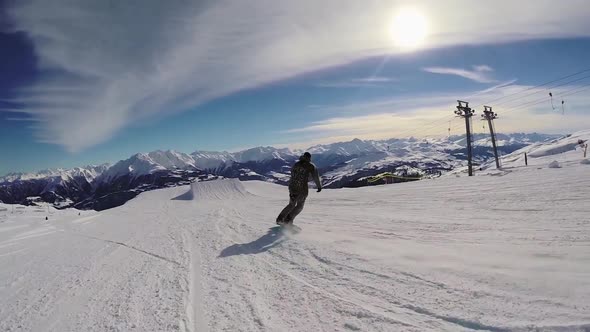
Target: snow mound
(215,190)
(585,162)
(567,150)
(554,164)
(566,144)
(553,150)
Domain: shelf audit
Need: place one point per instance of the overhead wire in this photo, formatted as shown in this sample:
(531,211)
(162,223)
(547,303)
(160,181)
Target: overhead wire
(552,87)
(543,100)
(538,86)
(432,124)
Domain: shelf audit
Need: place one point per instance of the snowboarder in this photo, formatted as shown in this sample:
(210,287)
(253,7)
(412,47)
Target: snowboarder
(298,189)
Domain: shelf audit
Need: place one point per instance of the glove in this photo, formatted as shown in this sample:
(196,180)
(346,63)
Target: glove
(319,189)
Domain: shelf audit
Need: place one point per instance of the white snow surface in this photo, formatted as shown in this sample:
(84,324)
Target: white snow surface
(486,253)
(564,151)
(224,189)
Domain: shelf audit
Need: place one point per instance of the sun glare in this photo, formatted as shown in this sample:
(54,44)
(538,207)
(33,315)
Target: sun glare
(409,29)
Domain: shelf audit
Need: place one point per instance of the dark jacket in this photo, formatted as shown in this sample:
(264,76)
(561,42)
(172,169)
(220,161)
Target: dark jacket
(300,176)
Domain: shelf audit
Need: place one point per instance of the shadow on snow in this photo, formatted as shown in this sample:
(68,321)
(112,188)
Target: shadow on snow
(271,239)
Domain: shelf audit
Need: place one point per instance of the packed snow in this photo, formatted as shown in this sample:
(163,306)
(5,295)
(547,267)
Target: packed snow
(496,253)
(567,150)
(554,164)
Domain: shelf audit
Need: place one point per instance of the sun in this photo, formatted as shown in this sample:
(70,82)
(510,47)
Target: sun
(409,29)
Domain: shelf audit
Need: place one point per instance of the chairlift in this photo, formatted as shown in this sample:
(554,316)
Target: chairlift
(562,107)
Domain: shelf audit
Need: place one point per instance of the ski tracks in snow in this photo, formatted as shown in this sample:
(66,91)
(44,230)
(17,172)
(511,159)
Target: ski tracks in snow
(275,291)
(194,311)
(117,273)
(264,279)
(215,264)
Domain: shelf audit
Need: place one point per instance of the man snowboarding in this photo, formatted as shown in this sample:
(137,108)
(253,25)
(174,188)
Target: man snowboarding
(298,189)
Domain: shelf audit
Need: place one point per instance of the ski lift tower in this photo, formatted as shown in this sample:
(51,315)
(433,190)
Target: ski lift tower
(489,115)
(463,110)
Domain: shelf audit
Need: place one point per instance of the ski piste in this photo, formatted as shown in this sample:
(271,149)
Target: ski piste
(416,256)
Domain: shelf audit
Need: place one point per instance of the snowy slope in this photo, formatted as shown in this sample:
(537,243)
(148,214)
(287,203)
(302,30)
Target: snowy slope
(487,253)
(565,150)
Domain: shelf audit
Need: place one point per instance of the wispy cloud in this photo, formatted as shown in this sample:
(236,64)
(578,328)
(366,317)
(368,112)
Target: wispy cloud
(480,74)
(114,63)
(375,79)
(23,119)
(498,86)
(429,115)
(387,126)
(366,82)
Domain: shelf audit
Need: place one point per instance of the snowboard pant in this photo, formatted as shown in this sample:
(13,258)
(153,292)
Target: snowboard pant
(296,203)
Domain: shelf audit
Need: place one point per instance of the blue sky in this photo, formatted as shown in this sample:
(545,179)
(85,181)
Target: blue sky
(96,82)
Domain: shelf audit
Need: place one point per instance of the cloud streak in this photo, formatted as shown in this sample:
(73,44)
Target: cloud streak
(480,74)
(430,115)
(366,82)
(108,64)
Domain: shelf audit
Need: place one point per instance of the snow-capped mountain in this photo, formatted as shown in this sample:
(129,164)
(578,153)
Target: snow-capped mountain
(348,164)
(343,164)
(148,163)
(262,154)
(210,160)
(89,173)
(143,171)
(354,147)
(100,187)
(60,187)
(216,161)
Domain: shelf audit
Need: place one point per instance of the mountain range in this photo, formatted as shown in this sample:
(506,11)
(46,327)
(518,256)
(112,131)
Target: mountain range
(343,164)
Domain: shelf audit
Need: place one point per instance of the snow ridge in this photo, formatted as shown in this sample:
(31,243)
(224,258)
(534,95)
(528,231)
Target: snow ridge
(215,190)
(569,148)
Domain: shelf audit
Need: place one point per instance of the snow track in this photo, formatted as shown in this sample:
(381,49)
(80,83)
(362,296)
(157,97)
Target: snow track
(423,256)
